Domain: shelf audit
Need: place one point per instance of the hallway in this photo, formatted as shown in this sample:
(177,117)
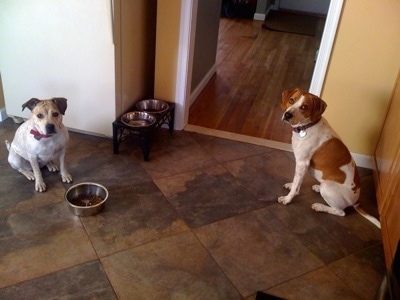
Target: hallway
(254,66)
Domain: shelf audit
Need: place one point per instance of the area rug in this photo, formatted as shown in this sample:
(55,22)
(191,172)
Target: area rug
(286,21)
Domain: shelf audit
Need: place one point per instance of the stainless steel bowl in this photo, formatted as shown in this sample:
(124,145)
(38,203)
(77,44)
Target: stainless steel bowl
(86,199)
(138,119)
(152,106)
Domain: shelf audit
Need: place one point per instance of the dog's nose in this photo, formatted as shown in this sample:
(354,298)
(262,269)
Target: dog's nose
(287,116)
(50,128)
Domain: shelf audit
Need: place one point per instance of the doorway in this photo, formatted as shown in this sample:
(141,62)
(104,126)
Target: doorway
(189,9)
(253,66)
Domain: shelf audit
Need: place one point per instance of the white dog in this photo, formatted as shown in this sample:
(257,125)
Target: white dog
(40,141)
(318,148)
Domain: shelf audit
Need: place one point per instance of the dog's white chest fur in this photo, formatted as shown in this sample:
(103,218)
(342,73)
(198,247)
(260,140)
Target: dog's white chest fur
(305,146)
(44,149)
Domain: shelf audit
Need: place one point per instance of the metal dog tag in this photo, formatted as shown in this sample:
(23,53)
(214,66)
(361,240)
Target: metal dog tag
(302,133)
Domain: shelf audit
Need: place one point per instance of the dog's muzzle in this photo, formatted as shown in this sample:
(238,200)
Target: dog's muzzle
(50,129)
(287,116)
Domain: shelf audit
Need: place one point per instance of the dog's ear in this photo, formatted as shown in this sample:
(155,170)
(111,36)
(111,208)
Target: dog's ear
(30,104)
(61,104)
(319,105)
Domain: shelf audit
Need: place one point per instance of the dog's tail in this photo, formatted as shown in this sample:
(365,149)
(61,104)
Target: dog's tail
(366,215)
(8,145)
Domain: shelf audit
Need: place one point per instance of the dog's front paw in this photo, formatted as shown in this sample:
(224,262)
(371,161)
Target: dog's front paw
(284,200)
(40,186)
(52,167)
(66,178)
(28,174)
(288,186)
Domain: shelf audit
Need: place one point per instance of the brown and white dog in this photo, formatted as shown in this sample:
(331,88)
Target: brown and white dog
(317,148)
(40,141)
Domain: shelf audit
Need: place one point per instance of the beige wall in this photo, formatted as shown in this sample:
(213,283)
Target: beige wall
(134,39)
(167,41)
(362,71)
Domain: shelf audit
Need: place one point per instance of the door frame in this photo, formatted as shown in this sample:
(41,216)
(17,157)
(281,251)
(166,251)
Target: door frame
(185,54)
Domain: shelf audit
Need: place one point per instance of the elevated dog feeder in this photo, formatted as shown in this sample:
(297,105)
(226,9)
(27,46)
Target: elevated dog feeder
(141,124)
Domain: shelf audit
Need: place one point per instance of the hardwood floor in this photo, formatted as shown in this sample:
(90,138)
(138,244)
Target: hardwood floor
(254,66)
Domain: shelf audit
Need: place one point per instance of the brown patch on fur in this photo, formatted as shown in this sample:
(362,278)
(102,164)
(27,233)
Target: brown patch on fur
(293,95)
(328,159)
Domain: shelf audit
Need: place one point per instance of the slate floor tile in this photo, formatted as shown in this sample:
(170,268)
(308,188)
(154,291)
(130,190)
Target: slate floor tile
(171,155)
(207,195)
(177,267)
(256,251)
(264,175)
(318,284)
(362,271)
(327,236)
(133,215)
(92,159)
(40,241)
(86,281)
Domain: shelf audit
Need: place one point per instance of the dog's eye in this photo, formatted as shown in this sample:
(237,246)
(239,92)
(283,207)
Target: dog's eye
(40,116)
(291,100)
(304,107)
(55,114)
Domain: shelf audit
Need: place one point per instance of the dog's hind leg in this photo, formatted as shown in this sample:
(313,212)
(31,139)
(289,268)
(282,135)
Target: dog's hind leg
(328,209)
(334,195)
(51,166)
(8,145)
(19,163)
(316,188)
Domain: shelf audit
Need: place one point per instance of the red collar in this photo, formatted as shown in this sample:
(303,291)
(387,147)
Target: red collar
(37,135)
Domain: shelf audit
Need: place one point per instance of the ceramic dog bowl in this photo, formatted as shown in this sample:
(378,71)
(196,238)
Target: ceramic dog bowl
(86,199)
(138,119)
(152,106)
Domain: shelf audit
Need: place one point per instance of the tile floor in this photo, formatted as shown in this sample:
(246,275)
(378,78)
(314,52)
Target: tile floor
(199,221)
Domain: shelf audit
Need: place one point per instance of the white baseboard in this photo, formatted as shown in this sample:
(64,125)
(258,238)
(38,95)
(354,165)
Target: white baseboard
(202,84)
(363,161)
(259,17)
(3,114)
